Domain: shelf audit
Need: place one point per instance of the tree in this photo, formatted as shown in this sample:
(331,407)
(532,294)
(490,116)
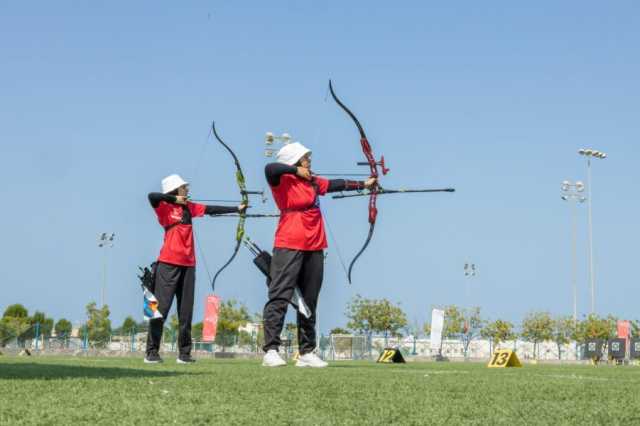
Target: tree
(339,330)
(537,327)
(260,339)
(4,333)
(427,328)
(362,317)
(45,325)
(16,311)
(196,331)
(453,322)
(98,324)
(369,315)
(257,319)
(231,317)
(498,331)
(595,327)
(128,326)
(563,330)
(391,319)
(142,326)
(63,328)
(15,323)
(462,323)
(245,339)
(473,323)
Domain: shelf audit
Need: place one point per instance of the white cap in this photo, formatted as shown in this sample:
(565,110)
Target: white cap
(171,183)
(291,153)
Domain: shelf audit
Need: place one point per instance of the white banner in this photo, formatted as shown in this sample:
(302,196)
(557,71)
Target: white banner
(437,322)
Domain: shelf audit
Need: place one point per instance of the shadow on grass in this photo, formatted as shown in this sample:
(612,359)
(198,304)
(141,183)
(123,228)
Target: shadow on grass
(359,364)
(35,371)
(372,365)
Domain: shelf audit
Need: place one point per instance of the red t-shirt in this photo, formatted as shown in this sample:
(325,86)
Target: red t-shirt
(301,226)
(178,247)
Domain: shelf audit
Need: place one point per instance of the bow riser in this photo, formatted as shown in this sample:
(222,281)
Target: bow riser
(373,209)
(373,167)
(240,180)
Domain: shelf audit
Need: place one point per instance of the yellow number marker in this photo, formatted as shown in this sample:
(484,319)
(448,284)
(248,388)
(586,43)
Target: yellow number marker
(503,358)
(390,356)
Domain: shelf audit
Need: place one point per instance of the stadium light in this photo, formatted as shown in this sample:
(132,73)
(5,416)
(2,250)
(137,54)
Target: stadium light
(588,153)
(270,139)
(105,241)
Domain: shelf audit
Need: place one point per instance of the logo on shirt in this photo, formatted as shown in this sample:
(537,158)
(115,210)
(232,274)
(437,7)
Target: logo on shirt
(176,214)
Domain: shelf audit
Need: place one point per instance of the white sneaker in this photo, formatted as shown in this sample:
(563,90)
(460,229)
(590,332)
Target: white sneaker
(272,359)
(310,360)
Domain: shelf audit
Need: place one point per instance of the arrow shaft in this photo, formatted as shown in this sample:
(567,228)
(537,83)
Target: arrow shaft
(393,191)
(340,174)
(246,215)
(214,200)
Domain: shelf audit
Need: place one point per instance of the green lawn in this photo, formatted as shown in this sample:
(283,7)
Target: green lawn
(49,390)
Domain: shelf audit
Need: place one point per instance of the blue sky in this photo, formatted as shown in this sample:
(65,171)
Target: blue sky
(100,101)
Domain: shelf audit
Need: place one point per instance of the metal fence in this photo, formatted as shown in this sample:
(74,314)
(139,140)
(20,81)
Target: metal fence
(332,347)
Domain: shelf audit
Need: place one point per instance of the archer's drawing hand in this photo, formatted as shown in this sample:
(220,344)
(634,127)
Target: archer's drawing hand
(371,183)
(304,173)
(181,199)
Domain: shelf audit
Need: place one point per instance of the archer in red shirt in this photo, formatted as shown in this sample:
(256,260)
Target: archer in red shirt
(298,256)
(175,269)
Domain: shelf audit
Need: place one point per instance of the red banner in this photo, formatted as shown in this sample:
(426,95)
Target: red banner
(210,323)
(624,329)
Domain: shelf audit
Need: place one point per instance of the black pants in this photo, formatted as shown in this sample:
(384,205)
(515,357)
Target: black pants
(291,268)
(179,281)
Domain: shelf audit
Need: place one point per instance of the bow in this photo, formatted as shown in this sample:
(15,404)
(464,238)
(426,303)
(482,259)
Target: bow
(373,166)
(376,189)
(244,195)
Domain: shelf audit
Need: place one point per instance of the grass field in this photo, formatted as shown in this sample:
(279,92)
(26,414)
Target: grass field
(49,390)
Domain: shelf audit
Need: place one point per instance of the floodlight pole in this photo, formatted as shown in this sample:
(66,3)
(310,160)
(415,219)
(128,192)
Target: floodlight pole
(574,261)
(469,273)
(104,275)
(588,153)
(105,241)
(571,192)
(592,278)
